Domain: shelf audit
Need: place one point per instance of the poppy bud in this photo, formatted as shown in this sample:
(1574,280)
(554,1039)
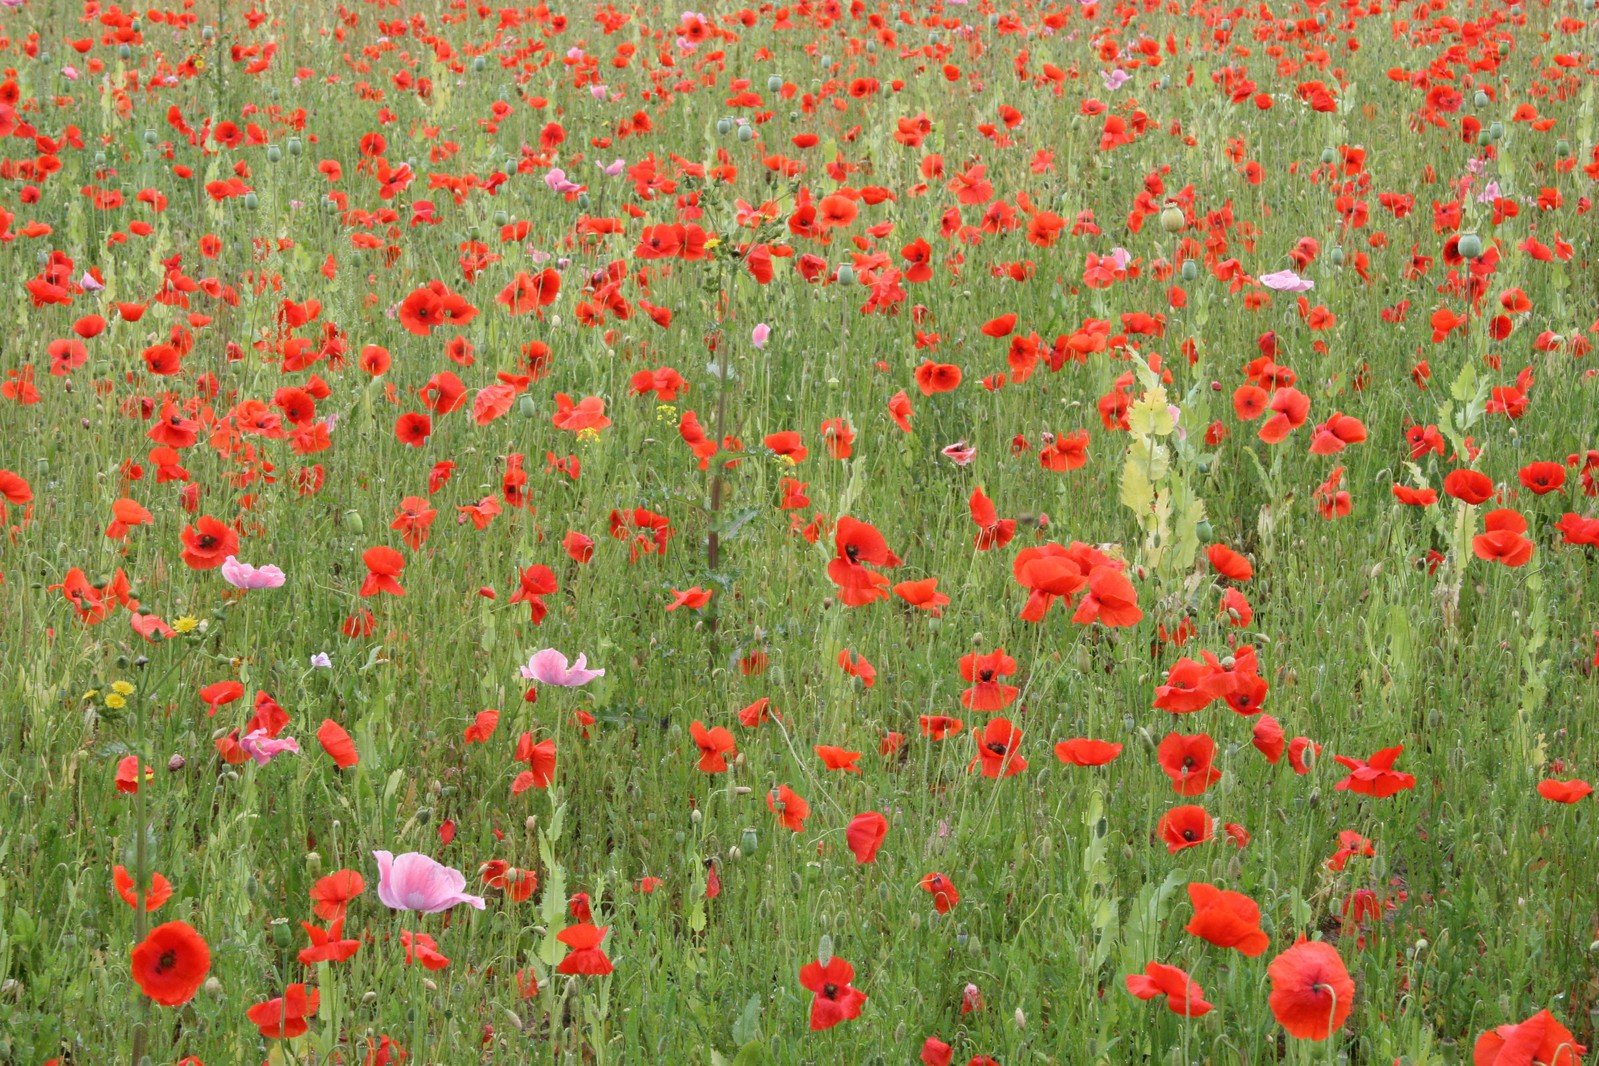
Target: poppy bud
(353,518)
(176,763)
(824,950)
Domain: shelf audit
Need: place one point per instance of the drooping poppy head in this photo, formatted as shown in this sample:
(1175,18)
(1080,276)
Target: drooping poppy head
(1312,994)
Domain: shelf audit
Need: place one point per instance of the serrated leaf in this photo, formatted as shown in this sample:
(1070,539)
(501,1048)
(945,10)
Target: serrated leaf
(753,1054)
(747,1026)
(1149,415)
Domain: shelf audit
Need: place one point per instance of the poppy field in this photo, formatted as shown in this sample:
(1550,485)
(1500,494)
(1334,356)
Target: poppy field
(871,532)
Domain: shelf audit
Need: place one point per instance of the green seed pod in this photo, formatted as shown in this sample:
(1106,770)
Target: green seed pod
(124,52)
(1496,130)
(774,84)
(1563,148)
(295,147)
(353,520)
(478,63)
(1337,257)
(749,841)
(1171,218)
(1190,270)
(846,275)
(746,134)
(251,202)
(274,153)
(526,407)
(724,126)
(501,218)
(1470,245)
(1480,100)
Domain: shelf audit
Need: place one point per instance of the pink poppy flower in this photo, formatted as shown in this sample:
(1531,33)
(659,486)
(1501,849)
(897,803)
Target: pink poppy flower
(414,882)
(244,576)
(550,667)
(263,748)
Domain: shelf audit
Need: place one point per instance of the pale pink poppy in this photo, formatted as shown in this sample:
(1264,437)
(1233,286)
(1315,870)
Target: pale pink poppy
(244,576)
(263,748)
(960,453)
(414,882)
(550,667)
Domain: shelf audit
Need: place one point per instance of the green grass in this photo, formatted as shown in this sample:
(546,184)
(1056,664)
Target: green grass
(1483,672)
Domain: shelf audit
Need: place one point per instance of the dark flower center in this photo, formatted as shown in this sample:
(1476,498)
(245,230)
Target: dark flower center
(167,961)
(830,990)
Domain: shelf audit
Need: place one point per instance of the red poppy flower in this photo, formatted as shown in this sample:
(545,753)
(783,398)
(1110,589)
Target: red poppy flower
(714,745)
(327,945)
(1550,789)
(1469,486)
(331,895)
(1311,992)
(384,566)
(208,543)
(987,692)
(1375,776)
(1082,751)
(336,741)
(170,963)
(1538,1041)
(943,891)
(996,749)
(586,956)
(865,834)
(1229,564)
(284,1017)
(923,595)
(1503,539)
(834,1000)
(1187,761)
(1226,919)
(1184,827)
(1183,994)
(790,808)
(160,889)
